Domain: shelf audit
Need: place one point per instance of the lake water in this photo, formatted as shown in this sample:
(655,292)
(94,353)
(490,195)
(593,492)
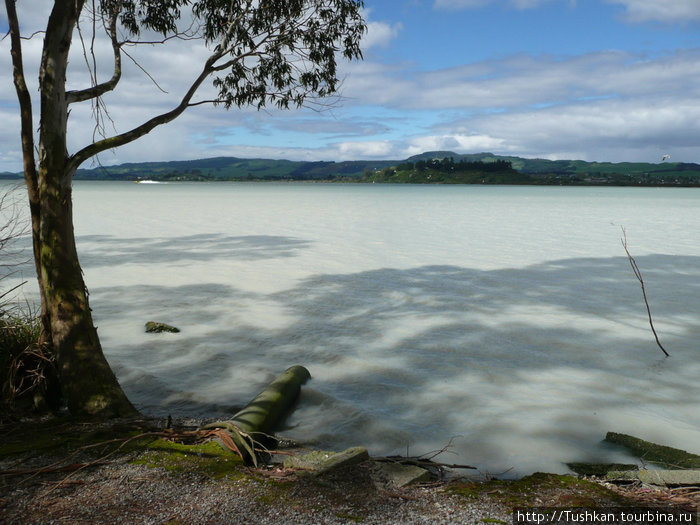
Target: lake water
(503,320)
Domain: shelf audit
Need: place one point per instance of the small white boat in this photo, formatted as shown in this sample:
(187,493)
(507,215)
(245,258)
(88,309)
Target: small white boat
(147,182)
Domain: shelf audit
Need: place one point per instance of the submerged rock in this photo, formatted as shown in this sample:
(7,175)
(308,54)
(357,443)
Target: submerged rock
(154,327)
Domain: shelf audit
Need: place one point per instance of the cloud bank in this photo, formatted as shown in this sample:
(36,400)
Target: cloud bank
(600,105)
(635,10)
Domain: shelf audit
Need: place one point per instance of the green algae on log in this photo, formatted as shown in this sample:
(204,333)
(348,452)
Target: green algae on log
(263,413)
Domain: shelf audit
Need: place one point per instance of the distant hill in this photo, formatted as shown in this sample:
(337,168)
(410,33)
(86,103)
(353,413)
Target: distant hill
(579,171)
(534,171)
(232,168)
(447,170)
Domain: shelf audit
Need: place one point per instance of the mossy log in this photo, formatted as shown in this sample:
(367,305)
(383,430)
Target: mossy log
(653,453)
(262,414)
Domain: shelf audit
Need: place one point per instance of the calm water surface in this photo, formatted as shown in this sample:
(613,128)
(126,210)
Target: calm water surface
(505,319)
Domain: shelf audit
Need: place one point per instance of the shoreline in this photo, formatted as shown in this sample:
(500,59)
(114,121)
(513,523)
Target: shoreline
(94,477)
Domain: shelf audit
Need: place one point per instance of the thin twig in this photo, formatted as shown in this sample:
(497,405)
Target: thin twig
(638,275)
(155,82)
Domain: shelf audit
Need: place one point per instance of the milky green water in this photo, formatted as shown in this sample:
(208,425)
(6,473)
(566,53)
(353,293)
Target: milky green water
(506,319)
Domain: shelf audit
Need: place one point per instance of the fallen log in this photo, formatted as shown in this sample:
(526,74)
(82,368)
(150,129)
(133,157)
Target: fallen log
(258,418)
(653,453)
(600,469)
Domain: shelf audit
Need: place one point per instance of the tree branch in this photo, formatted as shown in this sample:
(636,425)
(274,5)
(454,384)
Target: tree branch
(25,100)
(100,89)
(145,72)
(124,138)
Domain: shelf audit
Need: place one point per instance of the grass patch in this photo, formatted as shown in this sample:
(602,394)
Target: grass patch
(27,372)
(208,459)
(58,438)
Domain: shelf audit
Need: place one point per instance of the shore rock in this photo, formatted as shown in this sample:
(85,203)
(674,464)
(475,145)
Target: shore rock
(321,462)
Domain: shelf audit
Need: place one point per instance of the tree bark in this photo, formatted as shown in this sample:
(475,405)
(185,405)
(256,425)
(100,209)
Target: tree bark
(88,384)
(29,163)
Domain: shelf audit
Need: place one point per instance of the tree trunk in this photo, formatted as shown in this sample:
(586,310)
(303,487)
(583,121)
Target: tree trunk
(87,382)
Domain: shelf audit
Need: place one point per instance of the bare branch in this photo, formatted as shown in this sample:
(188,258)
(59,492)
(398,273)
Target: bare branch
(638,275)
(145,71)
(98,90)
(25,101)
(41,32)
(124,138)
(202,102)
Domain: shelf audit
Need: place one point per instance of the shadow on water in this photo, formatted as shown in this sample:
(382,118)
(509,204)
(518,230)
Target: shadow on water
(524,364)
(105,250)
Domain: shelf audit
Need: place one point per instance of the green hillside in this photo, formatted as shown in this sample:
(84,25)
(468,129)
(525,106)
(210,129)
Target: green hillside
(544,171)
(448,171)
(232,168)
(519,171)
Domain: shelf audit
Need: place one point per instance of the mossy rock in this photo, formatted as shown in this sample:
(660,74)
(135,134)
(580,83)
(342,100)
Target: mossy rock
(207,459)
(153,327)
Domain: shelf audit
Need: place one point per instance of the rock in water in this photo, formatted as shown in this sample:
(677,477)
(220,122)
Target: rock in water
(154,327)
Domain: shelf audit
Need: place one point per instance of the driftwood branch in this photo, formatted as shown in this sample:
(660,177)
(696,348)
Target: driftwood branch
(638,275)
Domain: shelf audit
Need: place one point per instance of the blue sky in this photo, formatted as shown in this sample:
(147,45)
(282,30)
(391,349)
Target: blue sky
(600,80)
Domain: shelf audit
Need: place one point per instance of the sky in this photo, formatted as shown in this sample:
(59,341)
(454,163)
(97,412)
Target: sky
(597,80)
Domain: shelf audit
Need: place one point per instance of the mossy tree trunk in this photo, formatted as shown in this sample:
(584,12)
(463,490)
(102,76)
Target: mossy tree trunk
(88,384)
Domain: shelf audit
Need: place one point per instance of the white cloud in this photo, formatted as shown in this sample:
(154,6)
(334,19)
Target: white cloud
(524,80)
(598,130)
(472,4)
(364,149)
(635,10)
(660,10)
(601,105)
(380,34)
(460,4)
(454,142)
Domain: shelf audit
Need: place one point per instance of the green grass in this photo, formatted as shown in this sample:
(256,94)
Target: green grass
(208,459)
